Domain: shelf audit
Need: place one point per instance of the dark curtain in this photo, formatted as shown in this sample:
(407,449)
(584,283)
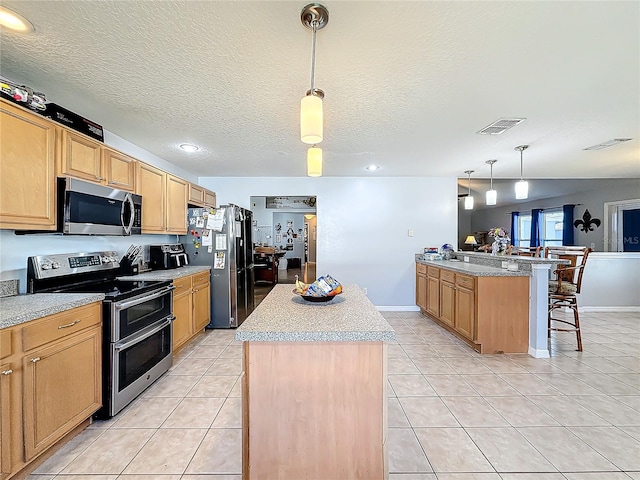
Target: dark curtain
(536,216)
(567,225)
(515,238)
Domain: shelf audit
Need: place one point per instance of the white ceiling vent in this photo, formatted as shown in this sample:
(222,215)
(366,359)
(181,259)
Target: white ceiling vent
(610,143)
(500,125)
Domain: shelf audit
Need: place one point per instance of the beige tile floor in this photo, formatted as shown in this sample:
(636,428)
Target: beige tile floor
(453,414)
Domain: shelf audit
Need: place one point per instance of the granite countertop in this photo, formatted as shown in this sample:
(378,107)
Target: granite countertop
(474,269)
(171,274)
(24,308)
(285,317)
(513,258)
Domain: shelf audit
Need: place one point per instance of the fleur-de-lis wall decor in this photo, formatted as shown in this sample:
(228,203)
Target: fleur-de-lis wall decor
(586,224)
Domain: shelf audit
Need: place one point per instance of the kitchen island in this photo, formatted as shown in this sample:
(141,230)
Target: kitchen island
(314,388)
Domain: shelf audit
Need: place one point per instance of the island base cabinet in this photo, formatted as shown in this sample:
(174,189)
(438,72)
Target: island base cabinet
(314,410)
(62,387)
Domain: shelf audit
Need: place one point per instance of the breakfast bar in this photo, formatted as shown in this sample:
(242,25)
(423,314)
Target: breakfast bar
(314,388)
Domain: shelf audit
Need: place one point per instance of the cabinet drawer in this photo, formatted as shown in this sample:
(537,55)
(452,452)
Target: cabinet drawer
(183,285)
(60,325)
(200,278)
(447,276)
(5,342)
(433,272)
(466,282)
(421,268)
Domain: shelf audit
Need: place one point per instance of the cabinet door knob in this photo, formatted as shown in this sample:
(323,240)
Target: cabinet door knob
(35,360)
(7,372)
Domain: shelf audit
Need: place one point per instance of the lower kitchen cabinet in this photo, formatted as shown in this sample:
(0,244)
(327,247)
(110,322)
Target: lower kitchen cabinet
(191,307)
(50,382)
(491,313)
(421,286)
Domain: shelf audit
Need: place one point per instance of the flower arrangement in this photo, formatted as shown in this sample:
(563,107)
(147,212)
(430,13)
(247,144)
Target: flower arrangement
(500,242)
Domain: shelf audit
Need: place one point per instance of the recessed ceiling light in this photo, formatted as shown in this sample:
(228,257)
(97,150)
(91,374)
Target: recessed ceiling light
(14,21)
(372,168)
(187,147)
(610,143)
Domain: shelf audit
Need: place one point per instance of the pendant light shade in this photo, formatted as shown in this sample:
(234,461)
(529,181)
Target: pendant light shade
(468,200)
(315,17)
(314,162)
(522,187)
(311,119)
(491,195)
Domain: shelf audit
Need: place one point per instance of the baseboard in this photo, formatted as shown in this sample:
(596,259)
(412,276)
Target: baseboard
(632,308)
(397,308)
(538,353)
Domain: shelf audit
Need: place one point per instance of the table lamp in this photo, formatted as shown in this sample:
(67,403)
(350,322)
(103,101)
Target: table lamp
(470,240)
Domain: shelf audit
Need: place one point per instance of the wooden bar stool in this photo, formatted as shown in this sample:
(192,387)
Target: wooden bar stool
(563,289)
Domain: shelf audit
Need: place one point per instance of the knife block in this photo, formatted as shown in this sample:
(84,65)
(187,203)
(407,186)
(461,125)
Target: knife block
(127,267)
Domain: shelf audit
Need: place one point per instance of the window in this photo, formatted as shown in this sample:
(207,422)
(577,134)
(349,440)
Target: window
(551,229)
(622,226)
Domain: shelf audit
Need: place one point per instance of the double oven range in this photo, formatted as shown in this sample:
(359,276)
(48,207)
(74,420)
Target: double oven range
(137,316)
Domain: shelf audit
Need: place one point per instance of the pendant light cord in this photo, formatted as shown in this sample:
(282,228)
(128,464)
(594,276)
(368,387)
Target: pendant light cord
(491,165)
(521,176)
(314,28)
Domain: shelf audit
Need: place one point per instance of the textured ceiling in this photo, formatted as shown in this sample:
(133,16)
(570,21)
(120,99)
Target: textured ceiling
(407,83)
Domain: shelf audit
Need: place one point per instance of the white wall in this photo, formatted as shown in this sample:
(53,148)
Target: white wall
(363,225)
(611,281)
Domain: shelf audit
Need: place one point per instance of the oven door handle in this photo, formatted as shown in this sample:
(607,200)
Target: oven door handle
(143,298)
(139,338)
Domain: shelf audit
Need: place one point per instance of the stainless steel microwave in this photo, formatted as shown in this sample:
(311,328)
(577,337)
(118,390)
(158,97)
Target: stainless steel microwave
(88,209)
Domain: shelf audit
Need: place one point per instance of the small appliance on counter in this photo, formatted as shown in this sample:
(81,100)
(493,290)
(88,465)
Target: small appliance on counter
(166,256)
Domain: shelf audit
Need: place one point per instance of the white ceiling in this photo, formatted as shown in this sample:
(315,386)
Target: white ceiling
(407,84)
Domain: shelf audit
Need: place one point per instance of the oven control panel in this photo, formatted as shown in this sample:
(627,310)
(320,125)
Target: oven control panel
(48,266)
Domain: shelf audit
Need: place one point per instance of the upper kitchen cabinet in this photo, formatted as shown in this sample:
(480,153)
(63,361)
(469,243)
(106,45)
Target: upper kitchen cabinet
(119,170)
(164,200)
(151,183)
(177,190)
(80,157)
(201,197)
(27,163)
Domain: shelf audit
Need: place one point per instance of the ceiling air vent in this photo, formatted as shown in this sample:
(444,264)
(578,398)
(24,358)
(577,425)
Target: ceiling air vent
(610,143)
(500,125)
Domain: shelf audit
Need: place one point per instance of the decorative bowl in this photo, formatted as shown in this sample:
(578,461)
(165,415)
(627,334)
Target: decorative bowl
(311,299)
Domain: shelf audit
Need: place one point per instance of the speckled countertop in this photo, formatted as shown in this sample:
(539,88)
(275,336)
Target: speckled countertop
(24,308)
(285,317)
(474,269)
(167,274)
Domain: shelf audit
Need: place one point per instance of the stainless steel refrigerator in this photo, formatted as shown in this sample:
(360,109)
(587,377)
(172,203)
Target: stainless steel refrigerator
(223,242)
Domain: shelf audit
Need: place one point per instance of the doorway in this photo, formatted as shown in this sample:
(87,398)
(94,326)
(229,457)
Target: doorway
(288,225)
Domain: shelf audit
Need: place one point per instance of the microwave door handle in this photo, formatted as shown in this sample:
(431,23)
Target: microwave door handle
(129,200)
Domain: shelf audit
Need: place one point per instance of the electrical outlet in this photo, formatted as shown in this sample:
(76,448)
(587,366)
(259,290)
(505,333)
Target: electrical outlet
(410,232)
(465,258)
(364,290)
(505,264)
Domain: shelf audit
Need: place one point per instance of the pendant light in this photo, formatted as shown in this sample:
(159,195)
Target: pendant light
(468,200)
(522,186)
(491,195)
(315,17)
(314,162)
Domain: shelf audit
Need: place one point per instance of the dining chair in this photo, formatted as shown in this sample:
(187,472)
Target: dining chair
(565,286)
(524,251)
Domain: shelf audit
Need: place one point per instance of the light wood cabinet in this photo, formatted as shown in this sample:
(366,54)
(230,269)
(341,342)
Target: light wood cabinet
(201,197)
(119,170)
(209,199)
(182,308)
(50,382)
(191,307)
(201,301)
(151,183)
(421,286)
(164,200)
(490,313)
(80,157)
(27,163)
(177,190)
